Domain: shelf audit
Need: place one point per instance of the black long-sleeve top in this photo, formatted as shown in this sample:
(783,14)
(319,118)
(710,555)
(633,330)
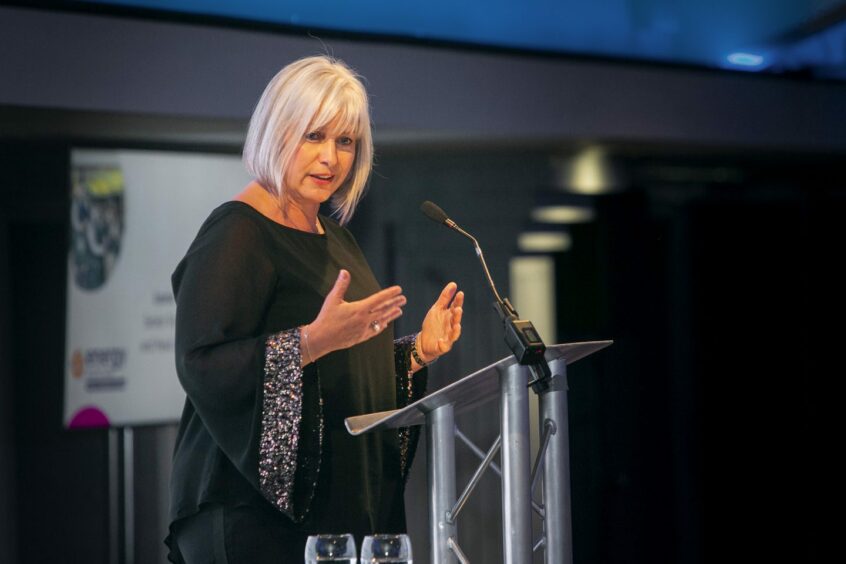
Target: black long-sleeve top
(257,429)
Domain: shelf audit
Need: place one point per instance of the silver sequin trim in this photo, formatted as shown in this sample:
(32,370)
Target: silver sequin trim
(281,415)
(405,395)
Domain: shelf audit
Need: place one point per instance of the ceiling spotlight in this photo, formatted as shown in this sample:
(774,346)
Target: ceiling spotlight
(544,241)
(590,171)
(562,214)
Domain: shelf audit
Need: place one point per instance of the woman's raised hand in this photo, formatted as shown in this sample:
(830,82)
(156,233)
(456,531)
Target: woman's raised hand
(341,324)
(442,326)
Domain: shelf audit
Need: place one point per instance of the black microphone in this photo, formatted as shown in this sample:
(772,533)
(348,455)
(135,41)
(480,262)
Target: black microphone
(520,335)
(433,212)
(436,214)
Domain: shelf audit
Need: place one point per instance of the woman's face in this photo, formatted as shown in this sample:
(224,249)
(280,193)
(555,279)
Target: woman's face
(320,165)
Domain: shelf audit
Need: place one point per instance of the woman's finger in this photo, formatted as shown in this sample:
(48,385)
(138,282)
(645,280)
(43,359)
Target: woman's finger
(392,315)
(373,301)
(446,295)
(458,302)
(452,333)
(456,332)
(394,302)
(457,313)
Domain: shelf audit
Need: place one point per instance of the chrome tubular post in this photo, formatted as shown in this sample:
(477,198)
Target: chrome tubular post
(440,449)
(516,472)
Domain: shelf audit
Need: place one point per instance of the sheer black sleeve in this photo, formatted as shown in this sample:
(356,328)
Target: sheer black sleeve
(246,383)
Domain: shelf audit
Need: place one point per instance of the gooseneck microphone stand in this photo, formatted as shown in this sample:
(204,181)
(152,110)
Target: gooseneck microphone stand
(553,462)
(520,334)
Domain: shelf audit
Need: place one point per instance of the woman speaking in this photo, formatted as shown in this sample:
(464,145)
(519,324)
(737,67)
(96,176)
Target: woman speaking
(282,331)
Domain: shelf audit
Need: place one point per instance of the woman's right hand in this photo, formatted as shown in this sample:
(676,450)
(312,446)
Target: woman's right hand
(341,324)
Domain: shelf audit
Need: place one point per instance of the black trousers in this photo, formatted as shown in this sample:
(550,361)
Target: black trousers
(239,535)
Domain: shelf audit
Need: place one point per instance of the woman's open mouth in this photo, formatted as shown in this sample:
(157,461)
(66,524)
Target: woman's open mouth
(322,178)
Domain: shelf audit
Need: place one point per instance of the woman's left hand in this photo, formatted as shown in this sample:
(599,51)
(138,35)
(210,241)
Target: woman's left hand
(442,326)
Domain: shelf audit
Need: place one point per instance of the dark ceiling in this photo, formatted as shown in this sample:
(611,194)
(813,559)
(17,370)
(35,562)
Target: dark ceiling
(805,38)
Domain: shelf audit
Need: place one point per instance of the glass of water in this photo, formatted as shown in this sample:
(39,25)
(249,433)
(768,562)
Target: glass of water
(330,549)
(395,549)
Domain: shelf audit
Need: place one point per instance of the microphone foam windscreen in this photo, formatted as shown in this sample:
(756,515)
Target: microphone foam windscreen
(433,212)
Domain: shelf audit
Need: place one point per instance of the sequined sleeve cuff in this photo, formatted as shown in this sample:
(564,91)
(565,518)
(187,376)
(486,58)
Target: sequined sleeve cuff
(291,428)
(410,388)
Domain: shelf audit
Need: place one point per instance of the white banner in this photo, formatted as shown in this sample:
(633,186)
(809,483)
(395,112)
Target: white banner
(133,215)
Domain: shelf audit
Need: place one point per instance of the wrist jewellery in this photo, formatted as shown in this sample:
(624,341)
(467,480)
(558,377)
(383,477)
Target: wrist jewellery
(416,355)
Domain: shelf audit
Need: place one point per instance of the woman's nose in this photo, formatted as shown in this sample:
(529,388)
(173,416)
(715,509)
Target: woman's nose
(328,153)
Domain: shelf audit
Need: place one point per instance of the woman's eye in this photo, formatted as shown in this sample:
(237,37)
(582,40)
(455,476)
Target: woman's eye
(345,141)
(314,136)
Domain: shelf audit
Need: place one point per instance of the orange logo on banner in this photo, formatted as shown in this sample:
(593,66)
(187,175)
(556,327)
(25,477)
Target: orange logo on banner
(77,364)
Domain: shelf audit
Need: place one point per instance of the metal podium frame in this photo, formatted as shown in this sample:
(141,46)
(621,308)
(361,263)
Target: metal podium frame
(510,382)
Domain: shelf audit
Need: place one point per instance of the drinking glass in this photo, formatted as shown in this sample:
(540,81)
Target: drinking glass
(330,549)
(395,549)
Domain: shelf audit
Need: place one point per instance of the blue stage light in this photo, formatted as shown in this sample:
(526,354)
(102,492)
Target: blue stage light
(748,60)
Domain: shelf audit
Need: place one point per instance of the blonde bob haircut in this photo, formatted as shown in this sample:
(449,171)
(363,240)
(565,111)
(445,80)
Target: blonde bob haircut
(308,95)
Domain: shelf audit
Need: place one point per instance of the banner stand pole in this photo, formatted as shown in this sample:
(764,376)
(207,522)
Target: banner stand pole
(121,495)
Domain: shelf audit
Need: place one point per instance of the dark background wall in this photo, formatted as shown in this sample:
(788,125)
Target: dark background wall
(700,433)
